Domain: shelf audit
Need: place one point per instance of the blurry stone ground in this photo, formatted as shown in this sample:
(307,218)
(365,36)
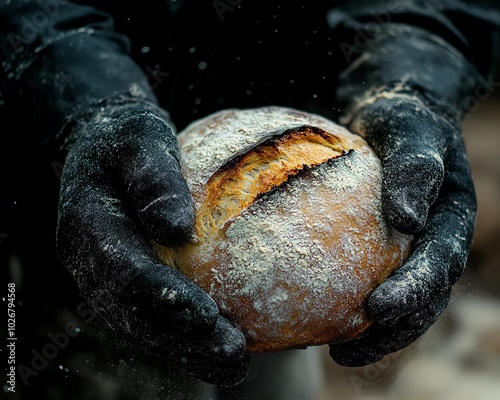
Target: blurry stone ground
(459,357)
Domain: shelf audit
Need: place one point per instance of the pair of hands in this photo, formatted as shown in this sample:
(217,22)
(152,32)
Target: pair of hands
(122,185)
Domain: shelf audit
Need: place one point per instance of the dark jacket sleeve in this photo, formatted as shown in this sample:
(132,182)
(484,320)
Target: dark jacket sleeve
(443,48)
(60,59)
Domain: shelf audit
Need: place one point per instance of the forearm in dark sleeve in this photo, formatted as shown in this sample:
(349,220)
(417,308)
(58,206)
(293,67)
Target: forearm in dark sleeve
(60,59)
(439,48)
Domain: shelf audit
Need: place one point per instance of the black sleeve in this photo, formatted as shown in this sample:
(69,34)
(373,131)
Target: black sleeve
(60,59)
(443,48)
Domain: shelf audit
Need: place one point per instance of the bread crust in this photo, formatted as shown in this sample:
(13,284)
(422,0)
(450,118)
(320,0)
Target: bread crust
(290,238)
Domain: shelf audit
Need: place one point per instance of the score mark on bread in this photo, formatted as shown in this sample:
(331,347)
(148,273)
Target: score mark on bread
(290,237)
(242,180)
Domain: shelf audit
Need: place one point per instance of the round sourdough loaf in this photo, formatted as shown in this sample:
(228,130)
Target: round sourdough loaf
(290,237)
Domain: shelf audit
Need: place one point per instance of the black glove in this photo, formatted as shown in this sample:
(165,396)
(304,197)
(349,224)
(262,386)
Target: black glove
(404,93)
(121,187)
(427,190)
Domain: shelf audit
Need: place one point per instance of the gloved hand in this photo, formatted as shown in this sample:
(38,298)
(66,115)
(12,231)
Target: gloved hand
(427,191)
(121,187)
(404,89)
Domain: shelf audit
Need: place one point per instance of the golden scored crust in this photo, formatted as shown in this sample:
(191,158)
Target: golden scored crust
(240,182)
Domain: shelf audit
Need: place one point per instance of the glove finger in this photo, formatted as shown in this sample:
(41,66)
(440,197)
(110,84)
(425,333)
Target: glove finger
(411,184)
(405,136)
(149,164)
(100,244)
(440,250)
(383,340)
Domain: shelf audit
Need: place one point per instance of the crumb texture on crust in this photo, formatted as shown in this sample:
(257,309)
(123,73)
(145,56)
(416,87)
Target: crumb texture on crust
(290,233)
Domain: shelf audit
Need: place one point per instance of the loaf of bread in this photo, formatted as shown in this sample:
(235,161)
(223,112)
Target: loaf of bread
(290,237)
